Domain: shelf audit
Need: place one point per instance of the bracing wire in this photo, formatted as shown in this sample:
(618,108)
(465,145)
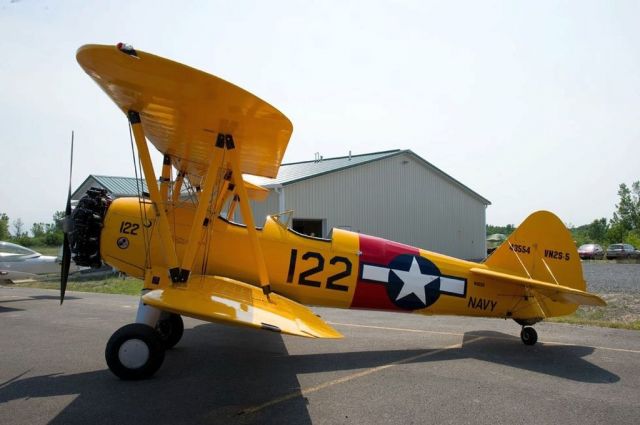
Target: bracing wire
(211,211)
(140,198)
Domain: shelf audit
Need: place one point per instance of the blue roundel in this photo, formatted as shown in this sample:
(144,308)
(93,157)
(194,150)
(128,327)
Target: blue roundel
(414,282)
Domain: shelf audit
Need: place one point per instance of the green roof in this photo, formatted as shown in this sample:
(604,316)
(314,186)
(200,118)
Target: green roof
(116,186)
(122,186)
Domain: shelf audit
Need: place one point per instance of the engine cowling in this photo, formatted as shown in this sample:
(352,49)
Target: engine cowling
(87,222)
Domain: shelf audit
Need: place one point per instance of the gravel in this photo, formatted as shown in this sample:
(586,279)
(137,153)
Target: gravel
(607,278)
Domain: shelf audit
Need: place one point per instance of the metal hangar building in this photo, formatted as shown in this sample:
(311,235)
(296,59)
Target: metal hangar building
(394,194)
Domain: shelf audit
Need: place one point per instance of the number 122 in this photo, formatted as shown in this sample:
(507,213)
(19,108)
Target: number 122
(304,278)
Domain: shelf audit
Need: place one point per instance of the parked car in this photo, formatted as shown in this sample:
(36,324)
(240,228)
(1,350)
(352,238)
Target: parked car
(18,263)
(591,251)
(621,250)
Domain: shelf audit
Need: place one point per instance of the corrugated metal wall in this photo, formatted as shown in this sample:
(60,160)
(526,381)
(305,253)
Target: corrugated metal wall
(397,198)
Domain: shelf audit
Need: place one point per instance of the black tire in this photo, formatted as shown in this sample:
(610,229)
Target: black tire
(529,336)
(170,330)
(132,339)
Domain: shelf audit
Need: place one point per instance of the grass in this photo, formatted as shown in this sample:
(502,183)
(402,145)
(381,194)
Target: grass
(622,312)
(111,285)
(581,318)
(46,250)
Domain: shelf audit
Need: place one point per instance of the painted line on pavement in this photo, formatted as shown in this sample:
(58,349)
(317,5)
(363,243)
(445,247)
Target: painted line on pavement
(353,325)
(306,391)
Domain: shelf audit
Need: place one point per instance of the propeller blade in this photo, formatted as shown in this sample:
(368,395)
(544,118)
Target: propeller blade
(66,249)
(68,209)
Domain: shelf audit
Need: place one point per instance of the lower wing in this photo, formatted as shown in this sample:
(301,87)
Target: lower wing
(224,300)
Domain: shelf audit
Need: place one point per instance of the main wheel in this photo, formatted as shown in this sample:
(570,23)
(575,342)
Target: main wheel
(134,351)
(529,336)
(170,329)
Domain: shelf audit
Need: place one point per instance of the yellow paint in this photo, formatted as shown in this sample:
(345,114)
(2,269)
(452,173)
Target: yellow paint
(219,299)
(178,103)
(185,114)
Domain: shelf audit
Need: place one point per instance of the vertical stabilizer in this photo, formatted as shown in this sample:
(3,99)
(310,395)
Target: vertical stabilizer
(541,248)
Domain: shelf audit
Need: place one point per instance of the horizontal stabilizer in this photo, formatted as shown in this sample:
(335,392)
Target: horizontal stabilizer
(553,291)
(219,299)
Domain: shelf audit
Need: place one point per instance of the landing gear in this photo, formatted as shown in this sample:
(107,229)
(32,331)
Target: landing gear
(170,328)
(528,335)
(134,352)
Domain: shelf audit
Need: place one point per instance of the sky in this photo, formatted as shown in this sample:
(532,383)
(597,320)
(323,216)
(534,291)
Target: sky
(533,105)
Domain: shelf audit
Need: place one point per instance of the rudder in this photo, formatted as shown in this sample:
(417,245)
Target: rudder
(541,248)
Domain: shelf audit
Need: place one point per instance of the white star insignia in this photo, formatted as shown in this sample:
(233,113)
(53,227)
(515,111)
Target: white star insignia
(413,281)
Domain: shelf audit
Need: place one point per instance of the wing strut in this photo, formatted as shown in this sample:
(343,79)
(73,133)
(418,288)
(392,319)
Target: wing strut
(200,221)
(247,215)
(168,245)
(224,148)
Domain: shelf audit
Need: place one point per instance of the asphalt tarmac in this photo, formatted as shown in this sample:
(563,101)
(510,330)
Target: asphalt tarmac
(389,369)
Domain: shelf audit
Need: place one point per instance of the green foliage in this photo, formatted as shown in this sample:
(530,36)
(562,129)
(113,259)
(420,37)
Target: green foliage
(633,238)
(597,230)
(505,230)
(4,227)
(580,235)
(42,234)
(58,216)
(616,233)
(627,214)
(110,285)
(18,225)
(625,224)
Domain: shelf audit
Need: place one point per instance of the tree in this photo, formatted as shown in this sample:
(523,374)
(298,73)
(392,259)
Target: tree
(4,227)
(38,230)
(625,224)
(58,216)
(627,214)
(505,230)
(54,235)
(597,230)
(17,227)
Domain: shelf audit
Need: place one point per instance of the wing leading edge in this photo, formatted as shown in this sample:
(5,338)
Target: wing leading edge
(183,110)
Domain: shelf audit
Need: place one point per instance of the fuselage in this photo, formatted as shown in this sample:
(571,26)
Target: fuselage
(350,270)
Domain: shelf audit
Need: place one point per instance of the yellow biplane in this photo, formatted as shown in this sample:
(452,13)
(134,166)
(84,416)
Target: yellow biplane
(195,261)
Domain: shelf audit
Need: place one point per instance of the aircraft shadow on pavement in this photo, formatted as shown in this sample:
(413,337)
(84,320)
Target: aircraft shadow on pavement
(216,372)
(563,361)
(210,377)
(4,309)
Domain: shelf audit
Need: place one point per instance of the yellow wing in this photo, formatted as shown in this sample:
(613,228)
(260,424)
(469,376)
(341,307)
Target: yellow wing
(219,299)
(183,109)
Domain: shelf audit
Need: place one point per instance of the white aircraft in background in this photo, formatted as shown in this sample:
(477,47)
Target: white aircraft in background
(20,263)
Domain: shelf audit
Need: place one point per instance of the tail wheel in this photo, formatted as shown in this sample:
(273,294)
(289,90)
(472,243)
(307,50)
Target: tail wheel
(170,329)
(134,352)
(529,336)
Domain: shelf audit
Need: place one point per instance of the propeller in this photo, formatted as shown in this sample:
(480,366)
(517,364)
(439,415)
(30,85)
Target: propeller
(66,248)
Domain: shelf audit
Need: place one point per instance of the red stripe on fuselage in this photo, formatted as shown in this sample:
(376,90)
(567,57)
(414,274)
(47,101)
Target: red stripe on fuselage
(378,252)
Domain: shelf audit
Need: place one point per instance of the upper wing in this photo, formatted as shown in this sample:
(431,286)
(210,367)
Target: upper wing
(555,292)
(183,110)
